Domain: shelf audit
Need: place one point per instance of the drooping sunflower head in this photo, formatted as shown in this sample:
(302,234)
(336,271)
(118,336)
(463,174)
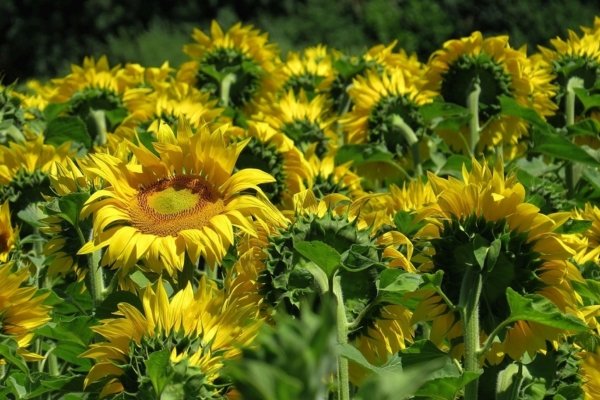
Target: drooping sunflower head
(499,70)
(312,71)
(305,122)
(237,67)
(24,170)
(20,119)
(274,153)
(200,330)
(21,311)
(488,209)
(184,201)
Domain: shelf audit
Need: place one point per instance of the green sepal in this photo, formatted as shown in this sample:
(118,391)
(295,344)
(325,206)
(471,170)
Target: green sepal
(324,256)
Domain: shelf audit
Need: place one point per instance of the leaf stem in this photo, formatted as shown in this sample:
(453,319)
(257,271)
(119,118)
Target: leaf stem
(468,306)
(94,278)
(226,88)
(342,333)
(573,83)
(411,139)
(473,106)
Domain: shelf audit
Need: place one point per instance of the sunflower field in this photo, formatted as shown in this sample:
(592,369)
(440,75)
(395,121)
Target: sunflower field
(318,226)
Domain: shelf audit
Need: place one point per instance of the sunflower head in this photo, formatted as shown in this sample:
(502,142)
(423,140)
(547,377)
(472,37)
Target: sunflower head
(24,170)
(312,72)
(305,122)
(8,235)
(499,70)
(488,210)
(21,311)
(184,201)
(196,331)
(237,66)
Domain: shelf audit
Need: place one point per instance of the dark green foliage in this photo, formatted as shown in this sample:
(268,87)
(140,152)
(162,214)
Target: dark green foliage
(42,37)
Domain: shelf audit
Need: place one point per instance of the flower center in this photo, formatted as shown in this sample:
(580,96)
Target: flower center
(174,204)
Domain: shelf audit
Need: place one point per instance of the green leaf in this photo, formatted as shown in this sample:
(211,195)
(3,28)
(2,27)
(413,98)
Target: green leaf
(8,351)
(116,116)
(64,129)
(53,110)
(361,154)
(447,387)
(323,255)
(586,127)
(110,304)
(71,206)
(438,109)
(70,351)
(76,330)
(511,107)
(559,146)
(159,369)
(573,226)
(480,250)
(537,308)
(588,101)
(454,165)
(589,289)
(432,281)
(351,353)
(394,284)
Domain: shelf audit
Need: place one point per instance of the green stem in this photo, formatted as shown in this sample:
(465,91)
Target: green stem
(226,87)
(100,121)
(573,83)
(186,275)
(490,339)
(411,138)
(356,323)
(38,248)
(473,106)
(94,278)
(342,332)
(469,310)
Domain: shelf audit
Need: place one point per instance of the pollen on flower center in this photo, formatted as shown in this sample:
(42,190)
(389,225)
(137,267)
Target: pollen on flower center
(174,204)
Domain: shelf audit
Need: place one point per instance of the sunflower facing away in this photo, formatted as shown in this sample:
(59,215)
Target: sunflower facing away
(185,201)
(500,71)
(489,208)
(242,53)
(203,329)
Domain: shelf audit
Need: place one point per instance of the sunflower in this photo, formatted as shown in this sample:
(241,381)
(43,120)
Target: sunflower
(377,329)
(590,374)
(327,178)
(500,71)
(8,235)
(24,170)
(375,98)
(380,58)
(576,57)
(312,71)
(237,67)
(173,100)
(94,92)
(302,121)
(21,308)
(489,208)
(202,329)
(185,201)
(273,153)
(20,118)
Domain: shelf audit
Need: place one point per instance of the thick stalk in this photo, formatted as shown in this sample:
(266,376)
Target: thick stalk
(473,106)
(411,138)
(342,333)
(573,83)
(226,87)
(100,121)
(469,311)
(94,278)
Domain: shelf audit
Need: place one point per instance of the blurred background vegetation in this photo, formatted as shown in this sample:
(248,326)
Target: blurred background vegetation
(41,38)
